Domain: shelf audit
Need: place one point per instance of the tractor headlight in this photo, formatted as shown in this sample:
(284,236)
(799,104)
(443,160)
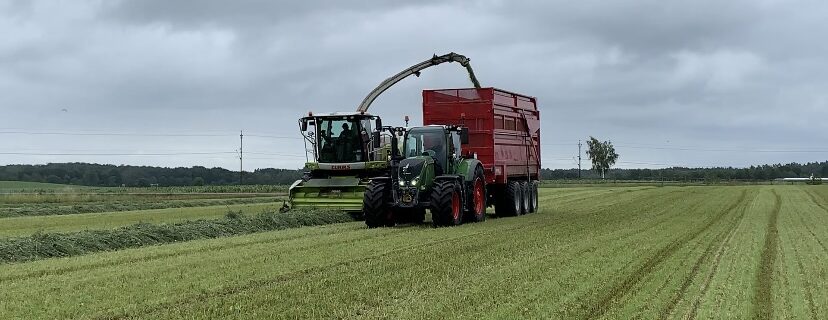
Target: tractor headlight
(402,183)
(414,182)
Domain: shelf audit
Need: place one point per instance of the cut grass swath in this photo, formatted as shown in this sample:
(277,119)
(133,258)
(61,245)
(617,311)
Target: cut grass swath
(49,245)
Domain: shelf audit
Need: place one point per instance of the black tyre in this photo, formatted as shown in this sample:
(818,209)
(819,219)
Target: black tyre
(530,197)
(524,197)
(375,205)
(509,202)
(446,204)
(535,202)
(476,197)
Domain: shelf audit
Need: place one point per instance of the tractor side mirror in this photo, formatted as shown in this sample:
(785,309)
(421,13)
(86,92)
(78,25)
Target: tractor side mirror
(378,124)
(375,139)
(464,135)
(303,124)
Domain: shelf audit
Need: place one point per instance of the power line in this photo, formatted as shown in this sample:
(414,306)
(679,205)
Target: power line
(113,154)
(137,134)
(723,150)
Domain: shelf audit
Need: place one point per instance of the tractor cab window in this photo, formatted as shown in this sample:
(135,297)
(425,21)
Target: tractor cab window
(340,140)
(427,141)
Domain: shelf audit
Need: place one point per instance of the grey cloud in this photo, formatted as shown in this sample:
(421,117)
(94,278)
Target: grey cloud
(701,73)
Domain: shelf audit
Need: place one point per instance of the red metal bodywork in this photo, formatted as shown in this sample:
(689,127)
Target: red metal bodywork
(504,128)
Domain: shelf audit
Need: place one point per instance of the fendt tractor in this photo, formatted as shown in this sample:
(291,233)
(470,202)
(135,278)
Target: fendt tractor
(345,149)
(477,148)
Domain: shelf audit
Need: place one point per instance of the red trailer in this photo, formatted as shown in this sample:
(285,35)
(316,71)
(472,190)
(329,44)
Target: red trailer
(504,134)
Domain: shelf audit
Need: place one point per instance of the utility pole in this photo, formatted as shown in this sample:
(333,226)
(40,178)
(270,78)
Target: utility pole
(241,156)
(579,159)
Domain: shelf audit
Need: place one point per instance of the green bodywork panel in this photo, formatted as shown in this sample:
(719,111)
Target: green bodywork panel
(465,168)
(343,193)
(335,192)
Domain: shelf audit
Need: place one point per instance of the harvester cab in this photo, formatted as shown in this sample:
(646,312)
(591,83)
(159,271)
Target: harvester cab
(435,174)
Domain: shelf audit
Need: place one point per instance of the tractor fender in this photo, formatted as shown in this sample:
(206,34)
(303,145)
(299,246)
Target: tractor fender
(466,168)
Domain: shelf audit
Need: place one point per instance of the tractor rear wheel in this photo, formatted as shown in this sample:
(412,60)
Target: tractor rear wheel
(375,205)
(476,197)
(509,202)
(446,205)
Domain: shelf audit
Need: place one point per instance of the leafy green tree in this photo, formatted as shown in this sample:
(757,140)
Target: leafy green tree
(198,181)
(602,154)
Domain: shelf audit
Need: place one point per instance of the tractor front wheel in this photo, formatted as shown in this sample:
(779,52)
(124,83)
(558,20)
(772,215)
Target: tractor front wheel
(446,205)
(375,205)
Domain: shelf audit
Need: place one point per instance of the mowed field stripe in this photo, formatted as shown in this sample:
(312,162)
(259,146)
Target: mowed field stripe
(763,297)
(621,288)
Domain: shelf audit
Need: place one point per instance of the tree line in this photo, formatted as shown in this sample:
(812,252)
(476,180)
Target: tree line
(755,173)
(104,175)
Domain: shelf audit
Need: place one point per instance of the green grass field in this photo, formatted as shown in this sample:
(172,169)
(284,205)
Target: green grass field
(614,253)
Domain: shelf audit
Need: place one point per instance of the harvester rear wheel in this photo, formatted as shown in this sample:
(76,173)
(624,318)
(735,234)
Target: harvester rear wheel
(525,200)
(446,205)
(375,205)
(476,210)
(509,202)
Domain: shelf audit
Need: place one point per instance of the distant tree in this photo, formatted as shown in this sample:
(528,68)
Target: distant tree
(198,181)
(602,154)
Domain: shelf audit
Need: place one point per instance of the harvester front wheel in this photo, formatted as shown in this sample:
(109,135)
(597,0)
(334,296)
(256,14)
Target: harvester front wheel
(375,205)
(446,205)
(476,210)
(509,202)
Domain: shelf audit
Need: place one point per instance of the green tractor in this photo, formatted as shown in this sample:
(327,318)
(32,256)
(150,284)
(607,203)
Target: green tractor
(432,174)
(342,157)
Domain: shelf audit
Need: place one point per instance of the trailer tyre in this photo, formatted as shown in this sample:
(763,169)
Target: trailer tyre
(476,197)
(533,186)
(524,197)
(446,204)
(375,205)
(509,202)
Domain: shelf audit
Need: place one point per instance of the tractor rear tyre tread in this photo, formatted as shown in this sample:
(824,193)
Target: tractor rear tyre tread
(476,212)
(446,209)
(375,205)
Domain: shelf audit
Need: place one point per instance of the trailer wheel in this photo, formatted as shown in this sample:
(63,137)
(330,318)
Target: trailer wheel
(375,205)
(509,202)
(535,202)
(524,197)
(446,205)
(476,199)
(530,197)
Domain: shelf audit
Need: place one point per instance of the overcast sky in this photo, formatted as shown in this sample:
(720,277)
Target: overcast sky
(689,83)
